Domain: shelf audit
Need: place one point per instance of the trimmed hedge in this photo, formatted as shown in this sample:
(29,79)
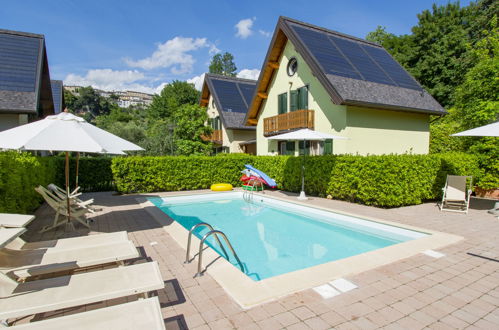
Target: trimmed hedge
(21,172)
(385,181)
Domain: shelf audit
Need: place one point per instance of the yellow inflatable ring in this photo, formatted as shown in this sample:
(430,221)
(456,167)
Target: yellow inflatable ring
(221,187)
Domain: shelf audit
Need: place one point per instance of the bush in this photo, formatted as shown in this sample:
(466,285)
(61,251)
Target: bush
(385,181)
(20,173)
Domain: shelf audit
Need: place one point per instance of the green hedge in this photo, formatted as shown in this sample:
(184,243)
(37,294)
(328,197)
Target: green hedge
(386,181)
(21,172)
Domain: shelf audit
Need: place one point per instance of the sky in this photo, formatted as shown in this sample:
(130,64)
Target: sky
(143,45)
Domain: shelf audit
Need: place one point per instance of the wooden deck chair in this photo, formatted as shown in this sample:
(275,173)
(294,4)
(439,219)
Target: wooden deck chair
(139,314)
(72,242)
(40,296)
(456,194)
(61,193)
(22,264)
(61,208)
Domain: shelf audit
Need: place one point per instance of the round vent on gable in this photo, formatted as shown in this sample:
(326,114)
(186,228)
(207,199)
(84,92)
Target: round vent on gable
(292,66)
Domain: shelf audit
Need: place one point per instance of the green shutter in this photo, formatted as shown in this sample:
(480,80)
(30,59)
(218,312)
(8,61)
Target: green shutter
(328,147)
(282,103)
(293,100)
(303,98)
(290,148)
(304,147)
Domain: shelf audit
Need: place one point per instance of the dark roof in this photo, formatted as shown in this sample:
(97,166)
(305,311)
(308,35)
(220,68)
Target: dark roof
(352,70)
(24,76)
(57,95)
(232,96)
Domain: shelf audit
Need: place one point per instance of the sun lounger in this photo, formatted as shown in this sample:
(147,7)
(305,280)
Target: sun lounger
(61,193)
(140,314)
(22,299)
(21,264)
(61,208)
(10,220)
(456,194)
(72,242)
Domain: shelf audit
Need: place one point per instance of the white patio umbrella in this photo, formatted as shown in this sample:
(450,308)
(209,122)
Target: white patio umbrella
(305,135)
(487,130)
(64,132)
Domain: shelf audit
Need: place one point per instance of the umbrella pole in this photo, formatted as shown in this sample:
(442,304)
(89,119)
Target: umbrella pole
(67,189)
(77,163)
(302,192)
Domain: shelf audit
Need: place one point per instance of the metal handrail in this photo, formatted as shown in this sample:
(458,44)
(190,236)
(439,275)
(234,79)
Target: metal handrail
(216,232)
(187,254)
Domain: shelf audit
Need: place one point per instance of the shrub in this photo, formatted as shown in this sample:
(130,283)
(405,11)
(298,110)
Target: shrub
(20,173)
(385,181)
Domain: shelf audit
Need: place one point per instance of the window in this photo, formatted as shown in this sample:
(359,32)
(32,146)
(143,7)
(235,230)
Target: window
(215,123)
(282,103)
(287,148)
(292,66)
(304,147)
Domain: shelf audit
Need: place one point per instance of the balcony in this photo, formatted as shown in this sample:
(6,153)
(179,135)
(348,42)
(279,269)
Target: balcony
(288,121)
(215,137)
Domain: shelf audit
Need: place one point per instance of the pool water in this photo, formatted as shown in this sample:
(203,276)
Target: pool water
(272,237)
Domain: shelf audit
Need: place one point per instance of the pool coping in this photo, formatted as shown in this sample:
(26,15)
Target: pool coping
(248,293)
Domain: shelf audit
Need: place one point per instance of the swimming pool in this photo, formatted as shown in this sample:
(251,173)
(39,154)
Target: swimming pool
(274,237)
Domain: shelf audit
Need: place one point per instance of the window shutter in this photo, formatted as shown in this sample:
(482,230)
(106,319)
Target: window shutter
(293,100)
(303,98)
(328,147)
(282,103)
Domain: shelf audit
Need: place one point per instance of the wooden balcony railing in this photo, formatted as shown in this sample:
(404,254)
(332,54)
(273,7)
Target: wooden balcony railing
(215,137)
(288,121)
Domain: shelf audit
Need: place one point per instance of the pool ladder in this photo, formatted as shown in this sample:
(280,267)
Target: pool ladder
(201,245)
(248,194)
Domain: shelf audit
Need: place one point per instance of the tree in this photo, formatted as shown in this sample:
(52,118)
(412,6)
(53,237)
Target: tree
(223,64)
(189,127)
(171,97)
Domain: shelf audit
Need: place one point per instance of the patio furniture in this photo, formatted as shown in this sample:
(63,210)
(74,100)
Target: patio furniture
(10,220)
(60,207)
(457,192)
(61,193)
(7,235)
(140,314)
(70,243)
(22,264)
(22,299)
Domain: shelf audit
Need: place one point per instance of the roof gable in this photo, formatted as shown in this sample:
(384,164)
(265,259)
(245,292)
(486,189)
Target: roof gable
(24,76)
(232,97)
(352,70)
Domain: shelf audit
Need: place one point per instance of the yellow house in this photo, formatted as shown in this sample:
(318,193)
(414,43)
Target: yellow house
(226,100)
(338,84)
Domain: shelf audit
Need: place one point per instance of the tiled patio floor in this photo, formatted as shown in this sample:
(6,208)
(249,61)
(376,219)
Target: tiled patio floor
(460,290)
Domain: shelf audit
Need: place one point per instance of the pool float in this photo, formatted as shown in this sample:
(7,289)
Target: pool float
(221,187)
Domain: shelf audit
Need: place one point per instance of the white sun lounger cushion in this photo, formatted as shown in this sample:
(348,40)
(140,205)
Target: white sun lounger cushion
(15,220)
(140,314)
(77,242)
(69,291)
(26,263)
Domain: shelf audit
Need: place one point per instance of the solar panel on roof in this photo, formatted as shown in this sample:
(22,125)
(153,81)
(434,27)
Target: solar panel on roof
(18,62)
(353,59)
(229,96)
(391,67)
(248,90)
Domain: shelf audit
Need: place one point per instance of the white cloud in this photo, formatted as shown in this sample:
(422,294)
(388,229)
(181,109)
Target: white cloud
(197,81)
(243,27)
(173,53)
(249,74)
(265,33)
(114,80)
